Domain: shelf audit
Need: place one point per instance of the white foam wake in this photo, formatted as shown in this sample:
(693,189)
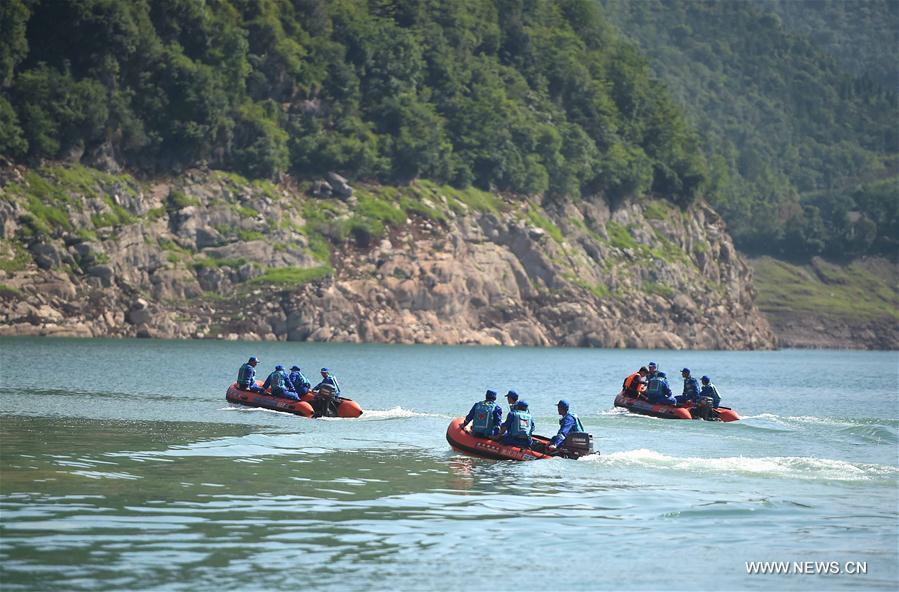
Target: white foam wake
(792,467)
(394,413)
(826,421)
(244,409)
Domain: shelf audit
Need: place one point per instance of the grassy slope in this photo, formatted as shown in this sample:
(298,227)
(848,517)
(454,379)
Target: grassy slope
(864,290)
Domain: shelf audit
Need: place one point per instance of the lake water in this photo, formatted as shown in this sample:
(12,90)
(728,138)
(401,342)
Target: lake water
(123,468)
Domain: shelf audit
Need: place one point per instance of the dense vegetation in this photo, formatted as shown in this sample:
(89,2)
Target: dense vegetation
(526,97)
(537,98)
(860,34)
(802,147)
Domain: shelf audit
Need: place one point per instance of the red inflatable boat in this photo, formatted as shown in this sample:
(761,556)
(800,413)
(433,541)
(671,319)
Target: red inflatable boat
(466,442)
(644,407)
(346,407)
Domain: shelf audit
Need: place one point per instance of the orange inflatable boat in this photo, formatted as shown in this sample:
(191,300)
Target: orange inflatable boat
(644,407)
(466,442)
(346,407)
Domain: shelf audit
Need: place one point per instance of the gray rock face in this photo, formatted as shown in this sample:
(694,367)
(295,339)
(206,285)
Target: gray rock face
(471,278)
(339,186)
(45,255)
(103,272)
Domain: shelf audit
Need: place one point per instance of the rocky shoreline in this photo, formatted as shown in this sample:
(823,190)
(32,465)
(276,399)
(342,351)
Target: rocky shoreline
(210,255)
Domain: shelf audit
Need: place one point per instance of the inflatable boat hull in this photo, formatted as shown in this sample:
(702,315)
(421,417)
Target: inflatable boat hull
(347,408)
(644,407)
(467,443)
(266,401)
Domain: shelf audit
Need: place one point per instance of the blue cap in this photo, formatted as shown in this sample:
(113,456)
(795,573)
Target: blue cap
(252,359)
(279,367)
(297,368)
(705,379)
(512,395)
(564,404)
(687,370)
(325,370)
(521,405)
(653,364)
(662,375)
(491,395)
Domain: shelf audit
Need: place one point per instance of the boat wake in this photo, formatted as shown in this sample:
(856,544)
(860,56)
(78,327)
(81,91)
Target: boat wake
(393,413)
(244,409)
(615,411)
(789,467)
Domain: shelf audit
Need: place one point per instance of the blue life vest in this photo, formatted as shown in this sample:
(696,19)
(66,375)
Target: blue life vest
(578,426)
(298,380)
(276,380)
(655,386)
(483,417)
(331,381)
(520,426)
(691,388)
(709,390)
(245,375)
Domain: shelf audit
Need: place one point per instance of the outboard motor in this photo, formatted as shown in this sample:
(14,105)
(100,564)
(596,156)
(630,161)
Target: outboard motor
(576,445)
(324,403)
(705,409)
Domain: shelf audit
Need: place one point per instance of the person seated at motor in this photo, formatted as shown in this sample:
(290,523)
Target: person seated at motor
(652,370)
(710,390)
(327,379)
(246,376)
(280,384)
(518,427)
(658,392)
(635,384)
(691,389)
(512,400)
(485,416)
(567,424)
(299,382)
(327,397)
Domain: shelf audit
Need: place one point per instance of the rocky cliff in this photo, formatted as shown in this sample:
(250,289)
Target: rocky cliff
(212,255)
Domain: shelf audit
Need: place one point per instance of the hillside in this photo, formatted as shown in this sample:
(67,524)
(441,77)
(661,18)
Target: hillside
(803,147)
(173,163)
(796,108)
(825,305)
(529,98)
(860,34)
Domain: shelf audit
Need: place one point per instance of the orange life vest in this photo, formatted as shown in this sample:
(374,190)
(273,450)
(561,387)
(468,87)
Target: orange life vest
(629,383)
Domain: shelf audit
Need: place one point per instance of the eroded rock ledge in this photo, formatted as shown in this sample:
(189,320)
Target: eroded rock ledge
(210,255)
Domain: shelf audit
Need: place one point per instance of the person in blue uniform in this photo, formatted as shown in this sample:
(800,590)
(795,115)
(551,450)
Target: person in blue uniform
(710,390)
(691,389)
(280,384)
(299,382)
(246,376)
(568,423)
(658,392)
(518,427)
(326,400)
(485,417)
(653,370)
(327,379)
(512,400)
